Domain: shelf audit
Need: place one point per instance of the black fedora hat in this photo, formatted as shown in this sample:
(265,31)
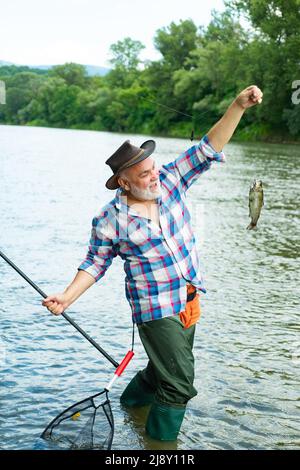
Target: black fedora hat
(125,156)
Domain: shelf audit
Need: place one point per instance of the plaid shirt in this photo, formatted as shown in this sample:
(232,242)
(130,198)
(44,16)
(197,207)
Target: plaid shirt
(158,261)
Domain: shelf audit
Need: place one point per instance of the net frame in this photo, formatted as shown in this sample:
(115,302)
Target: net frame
(49,434)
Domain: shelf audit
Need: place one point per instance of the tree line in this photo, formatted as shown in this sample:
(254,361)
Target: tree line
(199,73)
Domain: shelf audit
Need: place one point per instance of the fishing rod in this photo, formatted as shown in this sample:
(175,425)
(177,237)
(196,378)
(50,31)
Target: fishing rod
(72,322)
(168,108)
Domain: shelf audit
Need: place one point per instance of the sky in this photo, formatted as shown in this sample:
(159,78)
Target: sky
(44,32)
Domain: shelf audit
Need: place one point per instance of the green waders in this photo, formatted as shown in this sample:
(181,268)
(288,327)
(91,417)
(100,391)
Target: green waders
(167,382)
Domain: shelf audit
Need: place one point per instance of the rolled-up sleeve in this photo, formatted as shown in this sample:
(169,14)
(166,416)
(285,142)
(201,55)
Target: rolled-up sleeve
(195,161)
(101,250)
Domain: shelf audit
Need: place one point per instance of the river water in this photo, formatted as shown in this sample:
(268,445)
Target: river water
(247,344)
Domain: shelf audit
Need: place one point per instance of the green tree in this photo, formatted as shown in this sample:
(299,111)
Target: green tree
(277,42)
(21,89)
(199,73)
(125,54)
(125,59)
(73,74)
(56,103)
(213,72)
(9,70)
(277,19)
(176,42)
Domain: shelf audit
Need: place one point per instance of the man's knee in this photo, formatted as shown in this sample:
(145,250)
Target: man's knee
(137,393)
(175,392)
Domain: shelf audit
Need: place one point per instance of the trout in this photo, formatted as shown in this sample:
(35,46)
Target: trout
(256,201)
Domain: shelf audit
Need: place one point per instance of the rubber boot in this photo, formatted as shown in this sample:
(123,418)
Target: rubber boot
(137,393)
(164,421)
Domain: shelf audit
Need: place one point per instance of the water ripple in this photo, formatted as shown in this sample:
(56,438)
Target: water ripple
(247,345)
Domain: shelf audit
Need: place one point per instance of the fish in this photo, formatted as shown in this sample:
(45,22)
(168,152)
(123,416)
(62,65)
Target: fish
(256,201)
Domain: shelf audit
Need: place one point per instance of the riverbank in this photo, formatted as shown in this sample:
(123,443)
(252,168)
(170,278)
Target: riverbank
(245,135)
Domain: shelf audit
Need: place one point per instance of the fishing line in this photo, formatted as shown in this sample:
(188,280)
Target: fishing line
(178,112)
(168,107)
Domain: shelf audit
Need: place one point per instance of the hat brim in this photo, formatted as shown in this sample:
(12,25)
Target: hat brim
(148,146)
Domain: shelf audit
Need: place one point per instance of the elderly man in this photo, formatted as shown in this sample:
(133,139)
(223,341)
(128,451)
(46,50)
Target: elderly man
(148,225)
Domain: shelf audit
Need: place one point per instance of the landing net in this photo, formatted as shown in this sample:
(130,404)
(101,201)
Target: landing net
(88,424)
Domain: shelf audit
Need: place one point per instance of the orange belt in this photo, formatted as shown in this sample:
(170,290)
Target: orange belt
(192,311)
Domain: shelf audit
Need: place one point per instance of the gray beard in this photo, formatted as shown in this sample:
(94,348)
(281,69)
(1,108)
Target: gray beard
(145,194)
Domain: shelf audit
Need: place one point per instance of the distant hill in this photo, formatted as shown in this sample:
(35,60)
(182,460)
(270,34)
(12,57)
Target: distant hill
(92,70)
(2,63)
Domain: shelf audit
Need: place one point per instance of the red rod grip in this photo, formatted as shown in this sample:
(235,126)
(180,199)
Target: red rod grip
(124,363)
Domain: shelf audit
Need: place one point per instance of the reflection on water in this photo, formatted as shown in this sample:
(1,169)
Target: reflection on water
(247,345)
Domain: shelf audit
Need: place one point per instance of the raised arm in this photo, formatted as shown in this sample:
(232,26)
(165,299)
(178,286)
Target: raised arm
(220,134)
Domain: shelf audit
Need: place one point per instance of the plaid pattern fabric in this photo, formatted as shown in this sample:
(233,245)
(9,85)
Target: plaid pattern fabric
(158,261)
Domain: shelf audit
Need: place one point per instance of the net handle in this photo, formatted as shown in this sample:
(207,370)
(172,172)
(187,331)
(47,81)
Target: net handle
(124,363)
(77,327)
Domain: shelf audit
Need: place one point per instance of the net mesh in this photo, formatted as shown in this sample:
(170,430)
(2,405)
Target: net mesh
(86,425)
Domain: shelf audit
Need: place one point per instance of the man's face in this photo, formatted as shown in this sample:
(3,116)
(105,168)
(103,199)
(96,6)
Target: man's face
(142,180)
